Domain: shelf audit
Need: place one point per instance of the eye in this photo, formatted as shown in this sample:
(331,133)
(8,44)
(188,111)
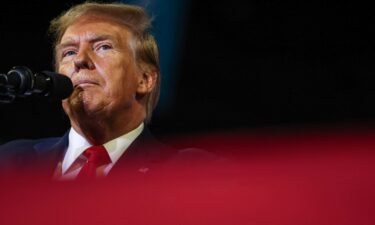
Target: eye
(104,47)
(68,53)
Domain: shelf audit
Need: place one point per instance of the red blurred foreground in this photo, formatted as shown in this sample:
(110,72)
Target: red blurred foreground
(292,179)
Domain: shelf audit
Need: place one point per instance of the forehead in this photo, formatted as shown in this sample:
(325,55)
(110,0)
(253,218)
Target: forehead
(90,27)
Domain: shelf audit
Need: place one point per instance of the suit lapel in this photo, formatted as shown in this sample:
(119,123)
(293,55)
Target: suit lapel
(50,152)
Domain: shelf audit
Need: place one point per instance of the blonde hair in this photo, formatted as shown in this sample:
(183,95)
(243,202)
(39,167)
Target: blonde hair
(134,18)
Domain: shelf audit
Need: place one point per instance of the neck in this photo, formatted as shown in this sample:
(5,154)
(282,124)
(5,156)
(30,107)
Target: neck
(98,130)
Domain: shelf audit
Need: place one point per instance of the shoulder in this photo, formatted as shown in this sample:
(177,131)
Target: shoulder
(18,152)
(22,145)
(17,146)
(195,154)
(191,163)
(196,157)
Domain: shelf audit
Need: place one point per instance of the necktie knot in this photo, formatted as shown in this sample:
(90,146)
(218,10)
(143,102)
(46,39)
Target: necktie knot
(96,156)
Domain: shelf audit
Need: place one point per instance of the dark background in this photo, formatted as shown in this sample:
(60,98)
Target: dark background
(243,65)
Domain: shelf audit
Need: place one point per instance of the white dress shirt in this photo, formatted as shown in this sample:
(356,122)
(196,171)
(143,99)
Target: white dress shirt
(78,144)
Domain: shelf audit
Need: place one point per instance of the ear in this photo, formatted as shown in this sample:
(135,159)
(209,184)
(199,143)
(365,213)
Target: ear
(147,81)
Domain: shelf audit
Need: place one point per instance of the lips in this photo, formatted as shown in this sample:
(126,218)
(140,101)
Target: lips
(84,82)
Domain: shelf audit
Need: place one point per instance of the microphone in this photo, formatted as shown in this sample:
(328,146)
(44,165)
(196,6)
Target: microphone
(21,82)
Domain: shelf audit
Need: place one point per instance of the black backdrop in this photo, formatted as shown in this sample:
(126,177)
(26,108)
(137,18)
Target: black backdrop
(244,64)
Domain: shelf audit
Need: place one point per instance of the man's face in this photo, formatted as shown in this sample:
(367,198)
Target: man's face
(98,55)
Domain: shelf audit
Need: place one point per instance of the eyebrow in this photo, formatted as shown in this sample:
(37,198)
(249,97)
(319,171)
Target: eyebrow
(96,38)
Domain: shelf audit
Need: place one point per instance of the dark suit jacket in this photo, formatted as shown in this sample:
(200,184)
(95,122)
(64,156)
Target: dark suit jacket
(145,155)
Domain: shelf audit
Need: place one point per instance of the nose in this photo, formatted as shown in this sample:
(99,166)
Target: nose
(83,61)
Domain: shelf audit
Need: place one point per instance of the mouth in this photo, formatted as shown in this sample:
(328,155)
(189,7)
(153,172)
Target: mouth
(85,83)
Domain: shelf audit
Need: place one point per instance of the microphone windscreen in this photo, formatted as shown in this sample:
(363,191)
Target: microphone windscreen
(61,85)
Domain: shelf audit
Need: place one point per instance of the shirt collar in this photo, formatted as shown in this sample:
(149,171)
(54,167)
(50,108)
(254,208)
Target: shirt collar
(115,147)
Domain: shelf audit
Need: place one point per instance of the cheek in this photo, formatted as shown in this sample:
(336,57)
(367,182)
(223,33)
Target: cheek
(120,88)
(65,69)
(118,76)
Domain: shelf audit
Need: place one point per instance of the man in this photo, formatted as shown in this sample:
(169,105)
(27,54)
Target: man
(112,60)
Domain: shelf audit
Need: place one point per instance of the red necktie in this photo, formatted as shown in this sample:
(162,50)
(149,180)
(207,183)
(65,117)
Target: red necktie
(96,156)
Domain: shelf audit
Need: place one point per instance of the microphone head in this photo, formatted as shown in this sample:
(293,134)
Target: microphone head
(61,86)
